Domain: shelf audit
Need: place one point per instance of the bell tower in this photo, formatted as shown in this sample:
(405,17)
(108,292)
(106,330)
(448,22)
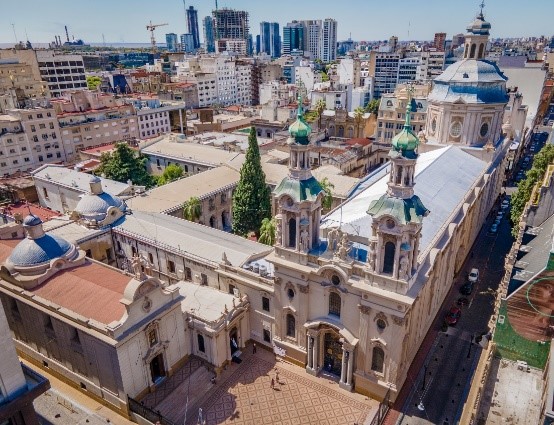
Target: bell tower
(477,37)
(297,199)
(397,216)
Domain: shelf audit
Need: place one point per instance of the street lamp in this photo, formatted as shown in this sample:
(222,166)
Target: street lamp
(470,344)
(424,376)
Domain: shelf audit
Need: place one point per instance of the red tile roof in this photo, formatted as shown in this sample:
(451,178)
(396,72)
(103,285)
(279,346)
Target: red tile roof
(91,290)
(23,208)
(359,141)
(6,248)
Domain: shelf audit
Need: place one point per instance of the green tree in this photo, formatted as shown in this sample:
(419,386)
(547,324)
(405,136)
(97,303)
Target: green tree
(93,82)
(171,173)
(124,164)
(267,232)
(373,106)
(320,107)
(327,187)
(324,77)
(252,198)
(358,119)
(192,209)
(525,187)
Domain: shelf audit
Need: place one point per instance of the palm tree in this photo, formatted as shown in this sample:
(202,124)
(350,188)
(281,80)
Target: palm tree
(358,118)
(327,186)
(320,106)
(267,232)
(192,209)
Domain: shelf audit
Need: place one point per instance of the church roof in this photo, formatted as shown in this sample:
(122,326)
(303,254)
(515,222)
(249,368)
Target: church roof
(443,178)
(31,252)
(299,190)
(95,207)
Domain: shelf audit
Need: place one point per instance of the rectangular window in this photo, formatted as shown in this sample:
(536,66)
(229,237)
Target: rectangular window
(232,289)
(204,279)
(267,335)
(188,273)
(171,266)
(152,337)
(265,304)
(44,191)
(150,258)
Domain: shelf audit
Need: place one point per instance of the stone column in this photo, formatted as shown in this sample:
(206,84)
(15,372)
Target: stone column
(350,368)
(181,120)
(347,366)
(310,352)
(343,368)
(315,354)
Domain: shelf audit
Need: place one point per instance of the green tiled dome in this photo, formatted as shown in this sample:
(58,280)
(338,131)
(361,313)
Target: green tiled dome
(406,140)
(300,130)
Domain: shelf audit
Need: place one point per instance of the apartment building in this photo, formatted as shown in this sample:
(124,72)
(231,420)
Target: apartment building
(431,64)
(329,40)
(18,83)
(62,72)
(156,117)
(29,138)
(90,119)
(408,69)
(385,71)
(293,37)
(312,38)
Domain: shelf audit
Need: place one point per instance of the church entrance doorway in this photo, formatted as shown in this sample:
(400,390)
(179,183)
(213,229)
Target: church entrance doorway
(233,341)
(157,370)
(332,353)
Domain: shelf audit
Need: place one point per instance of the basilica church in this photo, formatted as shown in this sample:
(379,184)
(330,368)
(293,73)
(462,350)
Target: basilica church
(350,294)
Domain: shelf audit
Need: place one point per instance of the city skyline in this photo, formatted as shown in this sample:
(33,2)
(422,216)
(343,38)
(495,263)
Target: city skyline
(126,24)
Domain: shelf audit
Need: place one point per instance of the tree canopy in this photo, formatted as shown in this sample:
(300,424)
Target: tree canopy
(267,232)
(192,209)
(373,106)
(327,187)
(171,173)
(93,82)
(252,197)
(525,187)
(124,164)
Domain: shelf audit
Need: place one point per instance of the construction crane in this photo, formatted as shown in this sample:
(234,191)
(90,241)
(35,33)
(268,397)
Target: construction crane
(151,28)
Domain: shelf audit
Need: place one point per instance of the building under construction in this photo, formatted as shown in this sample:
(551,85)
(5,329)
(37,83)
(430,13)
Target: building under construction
(231,24)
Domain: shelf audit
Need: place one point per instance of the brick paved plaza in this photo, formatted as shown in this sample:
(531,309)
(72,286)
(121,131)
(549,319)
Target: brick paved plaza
(243,395)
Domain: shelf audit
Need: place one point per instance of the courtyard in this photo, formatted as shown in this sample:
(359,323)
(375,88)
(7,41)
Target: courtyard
(242,395)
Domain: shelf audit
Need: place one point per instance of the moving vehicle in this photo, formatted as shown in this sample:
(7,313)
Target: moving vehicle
(494,228)
(505,204)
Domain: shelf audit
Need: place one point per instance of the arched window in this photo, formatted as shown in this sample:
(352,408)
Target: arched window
(291,326)
(201,346)
(212,221)
(481,50)
(377,359)
(472,53)
(388,263)
(292,232)
(334,304)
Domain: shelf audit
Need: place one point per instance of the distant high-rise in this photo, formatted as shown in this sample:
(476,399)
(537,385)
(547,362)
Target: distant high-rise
(192,25)
(187,41)
(209,34)
(393,43)
(293,37)
(270,39)
(312,38)
(231,24)
(171,42)
(329,40)
(440,39)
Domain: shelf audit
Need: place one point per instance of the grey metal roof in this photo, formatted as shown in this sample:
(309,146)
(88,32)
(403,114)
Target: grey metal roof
(443,179)
(76,180)
(192,238)
(478,71)
(71,231)
(534,255)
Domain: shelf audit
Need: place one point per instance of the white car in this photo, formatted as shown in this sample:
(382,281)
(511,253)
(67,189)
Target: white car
(473,275)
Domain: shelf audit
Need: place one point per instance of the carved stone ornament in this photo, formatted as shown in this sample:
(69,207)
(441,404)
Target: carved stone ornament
(381,316)
(399,321)
(364,309)
(303,289)
(146,304)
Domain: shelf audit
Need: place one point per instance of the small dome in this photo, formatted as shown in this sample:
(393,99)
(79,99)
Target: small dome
(300,130)
(32,220)
(479,26)
(95,207)
(95,179)
(32,252)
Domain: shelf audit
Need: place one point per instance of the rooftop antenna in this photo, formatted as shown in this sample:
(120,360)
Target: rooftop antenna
(14,34)
(66,33)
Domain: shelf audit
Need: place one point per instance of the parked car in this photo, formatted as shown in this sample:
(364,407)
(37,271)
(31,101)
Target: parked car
(453,316)
(499,215)
(494,228)
(505,204)
(473,275)
(462,302)
(467,288)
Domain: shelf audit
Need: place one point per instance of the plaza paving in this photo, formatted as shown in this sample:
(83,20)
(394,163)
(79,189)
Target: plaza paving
(243,395)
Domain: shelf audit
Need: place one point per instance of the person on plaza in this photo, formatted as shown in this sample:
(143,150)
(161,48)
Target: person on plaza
(272,384)
(254,348)
(276,375)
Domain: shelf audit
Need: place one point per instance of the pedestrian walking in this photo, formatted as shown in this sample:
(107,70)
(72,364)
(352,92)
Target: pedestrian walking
(272,383)
(254,348)
(276,375)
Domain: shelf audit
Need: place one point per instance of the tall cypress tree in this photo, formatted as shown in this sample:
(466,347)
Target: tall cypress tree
(252,198)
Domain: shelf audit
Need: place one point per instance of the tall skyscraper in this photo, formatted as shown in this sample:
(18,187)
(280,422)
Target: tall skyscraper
(171,42)
(329,40)
(293,37)
(312,38)
(209,34)
(440,38)
(187,41)
(192,25)
(270,39)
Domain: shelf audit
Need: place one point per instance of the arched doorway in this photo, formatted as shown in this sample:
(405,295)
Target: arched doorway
(292,233)
(388,263)
(224,220)
(332,353)
(341,131)
(233,341)
(212,221)
(157,369)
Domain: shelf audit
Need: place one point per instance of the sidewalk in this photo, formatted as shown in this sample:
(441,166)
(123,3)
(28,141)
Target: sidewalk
(76,407)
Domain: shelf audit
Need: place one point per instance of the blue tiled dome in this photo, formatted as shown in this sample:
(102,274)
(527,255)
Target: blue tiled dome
(95,207)
(472,81)
(32,220)
(31,252)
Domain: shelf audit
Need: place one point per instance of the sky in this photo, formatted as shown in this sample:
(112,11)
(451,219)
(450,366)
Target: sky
(124,21)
